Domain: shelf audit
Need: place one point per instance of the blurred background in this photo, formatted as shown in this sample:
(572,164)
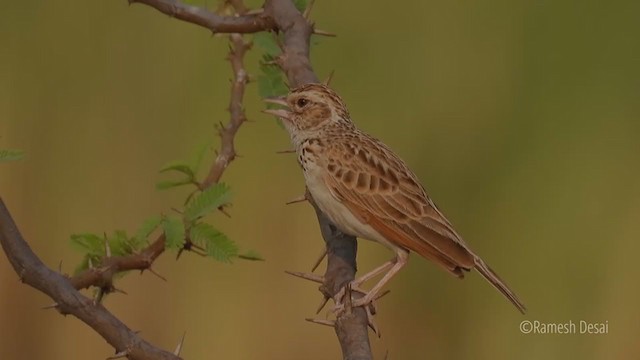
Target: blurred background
(520,117)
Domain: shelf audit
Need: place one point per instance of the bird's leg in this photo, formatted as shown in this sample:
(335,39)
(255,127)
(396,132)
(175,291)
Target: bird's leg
(355,284)
(373,273)
(393,266)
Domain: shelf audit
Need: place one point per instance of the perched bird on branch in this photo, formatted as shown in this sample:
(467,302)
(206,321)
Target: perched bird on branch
(367,191)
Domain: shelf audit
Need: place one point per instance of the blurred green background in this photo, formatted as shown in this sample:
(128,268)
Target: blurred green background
(520,117)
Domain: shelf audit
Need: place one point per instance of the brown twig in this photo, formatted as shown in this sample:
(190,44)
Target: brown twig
(228,132)
(205,18)
(102,274)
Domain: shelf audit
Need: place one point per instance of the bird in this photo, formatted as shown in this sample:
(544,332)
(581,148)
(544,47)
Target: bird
(369,192)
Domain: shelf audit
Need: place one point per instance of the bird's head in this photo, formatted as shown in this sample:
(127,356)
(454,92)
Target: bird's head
(309,108)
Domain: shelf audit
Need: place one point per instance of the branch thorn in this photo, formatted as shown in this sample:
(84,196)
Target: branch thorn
(317,263)
(115,289)
(178,349)
(326,82)
(297,200)
(156,274)
(311,277)
(331,323)
(99,295)
(323,33)
(52,306)
(255,11)
(324,301)
(107,247)
(120,355)
(289,151)
(307,12)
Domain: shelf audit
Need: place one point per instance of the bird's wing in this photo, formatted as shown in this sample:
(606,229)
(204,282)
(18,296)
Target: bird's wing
(380,190)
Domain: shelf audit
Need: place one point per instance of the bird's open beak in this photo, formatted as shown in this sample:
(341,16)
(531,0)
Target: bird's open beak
(281,113)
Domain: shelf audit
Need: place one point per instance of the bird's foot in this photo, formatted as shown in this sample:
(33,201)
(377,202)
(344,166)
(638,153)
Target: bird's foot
(345,303)
(367,298)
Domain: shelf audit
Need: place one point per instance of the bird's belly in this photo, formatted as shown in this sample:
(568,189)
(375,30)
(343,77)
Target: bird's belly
(337,212)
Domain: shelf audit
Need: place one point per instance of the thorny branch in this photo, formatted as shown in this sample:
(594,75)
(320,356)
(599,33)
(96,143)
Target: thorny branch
(34,273)
(278,15)
(217,24)
(351,327)
(64,290)
(228,132)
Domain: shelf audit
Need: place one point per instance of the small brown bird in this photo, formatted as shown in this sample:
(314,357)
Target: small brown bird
(369,192)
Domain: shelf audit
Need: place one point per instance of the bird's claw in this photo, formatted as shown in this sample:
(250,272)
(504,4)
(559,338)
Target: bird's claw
(344,301)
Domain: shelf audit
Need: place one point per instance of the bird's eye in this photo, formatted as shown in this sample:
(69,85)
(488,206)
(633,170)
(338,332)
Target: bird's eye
(302,102)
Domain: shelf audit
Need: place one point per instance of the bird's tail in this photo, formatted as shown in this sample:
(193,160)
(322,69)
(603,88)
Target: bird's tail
(495,280)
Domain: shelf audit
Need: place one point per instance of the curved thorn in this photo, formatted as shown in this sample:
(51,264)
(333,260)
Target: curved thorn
(372,323)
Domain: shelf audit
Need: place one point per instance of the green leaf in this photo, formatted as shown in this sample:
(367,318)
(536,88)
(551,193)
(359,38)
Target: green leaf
(84,265)
(196,161)
(301,5)
(121,244)
(270,81)
(90,244)
(10,155)
(208,201)
(148,226)
(217,244)
(174,232)
(271,84)
(267,41)
(251,255)
(179,167)
(168,184)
